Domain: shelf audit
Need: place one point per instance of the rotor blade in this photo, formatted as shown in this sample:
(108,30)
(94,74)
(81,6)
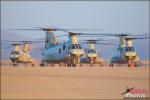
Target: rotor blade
(57,29)
(89,36)
(84,29)
(8,47)
(14,44)
(27,29)
(140,38)
(100,39)
(36,42)
(23,42)
(61,35)
(73,29)
(109,34)
(107,43)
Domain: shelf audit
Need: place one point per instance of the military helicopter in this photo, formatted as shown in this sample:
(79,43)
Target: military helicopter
(126,53)
(20,56)
(91,55)
(68,52)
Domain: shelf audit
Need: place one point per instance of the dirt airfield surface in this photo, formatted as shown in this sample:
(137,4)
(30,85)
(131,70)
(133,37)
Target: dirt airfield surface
(26,82)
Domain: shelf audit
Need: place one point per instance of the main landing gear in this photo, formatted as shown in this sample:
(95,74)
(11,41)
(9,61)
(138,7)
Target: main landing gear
(111,65)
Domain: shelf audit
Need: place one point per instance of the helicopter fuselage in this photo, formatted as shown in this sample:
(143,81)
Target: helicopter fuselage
(20,57)
(126,55)
(91,56)
(62,52)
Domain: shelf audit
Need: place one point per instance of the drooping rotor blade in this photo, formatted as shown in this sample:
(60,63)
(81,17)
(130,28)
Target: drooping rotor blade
(57,29)
(20,42)
(134,38)
(107,43)
(27,29)
(7,47)
(61,35)
(14,44)
(89,36)
(100,39)
(105,34)
(11,45)
(97,42)
(36,29)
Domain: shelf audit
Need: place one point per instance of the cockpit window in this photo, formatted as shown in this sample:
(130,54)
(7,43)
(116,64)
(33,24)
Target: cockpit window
(64,47)
(91,51)
(75,46)
(79,46)
(130,49)
(15,53)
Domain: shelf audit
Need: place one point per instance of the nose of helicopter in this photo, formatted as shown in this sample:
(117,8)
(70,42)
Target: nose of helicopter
(77,52)
(131,55)
(14,56)
(92,55)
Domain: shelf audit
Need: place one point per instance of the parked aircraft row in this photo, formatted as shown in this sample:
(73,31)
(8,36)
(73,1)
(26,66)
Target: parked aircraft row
(72,53)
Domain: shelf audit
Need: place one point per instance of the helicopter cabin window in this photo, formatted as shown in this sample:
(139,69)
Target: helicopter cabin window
(64,47)
(130,49)
(15,52)
(59,50)
(93,51)
(76,45)
(73,47)
(79,46)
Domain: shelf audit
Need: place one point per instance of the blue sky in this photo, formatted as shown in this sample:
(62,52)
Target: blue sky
(112,16)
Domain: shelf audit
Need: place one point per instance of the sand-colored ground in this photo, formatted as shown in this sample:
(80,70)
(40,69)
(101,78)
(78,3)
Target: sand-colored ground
(85,82)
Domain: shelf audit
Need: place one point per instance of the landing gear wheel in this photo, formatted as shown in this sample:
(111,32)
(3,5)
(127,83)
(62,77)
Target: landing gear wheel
(129,65)
(111,65)
(101,65)
(60,64)
(32,65)
(74,65)
(80,65)
(69,64)
(42,64)
(13,65)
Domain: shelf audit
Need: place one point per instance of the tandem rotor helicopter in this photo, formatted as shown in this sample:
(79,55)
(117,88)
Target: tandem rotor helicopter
(19,55)
(68,52)
(71,51)
(126,53)
(91,55)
